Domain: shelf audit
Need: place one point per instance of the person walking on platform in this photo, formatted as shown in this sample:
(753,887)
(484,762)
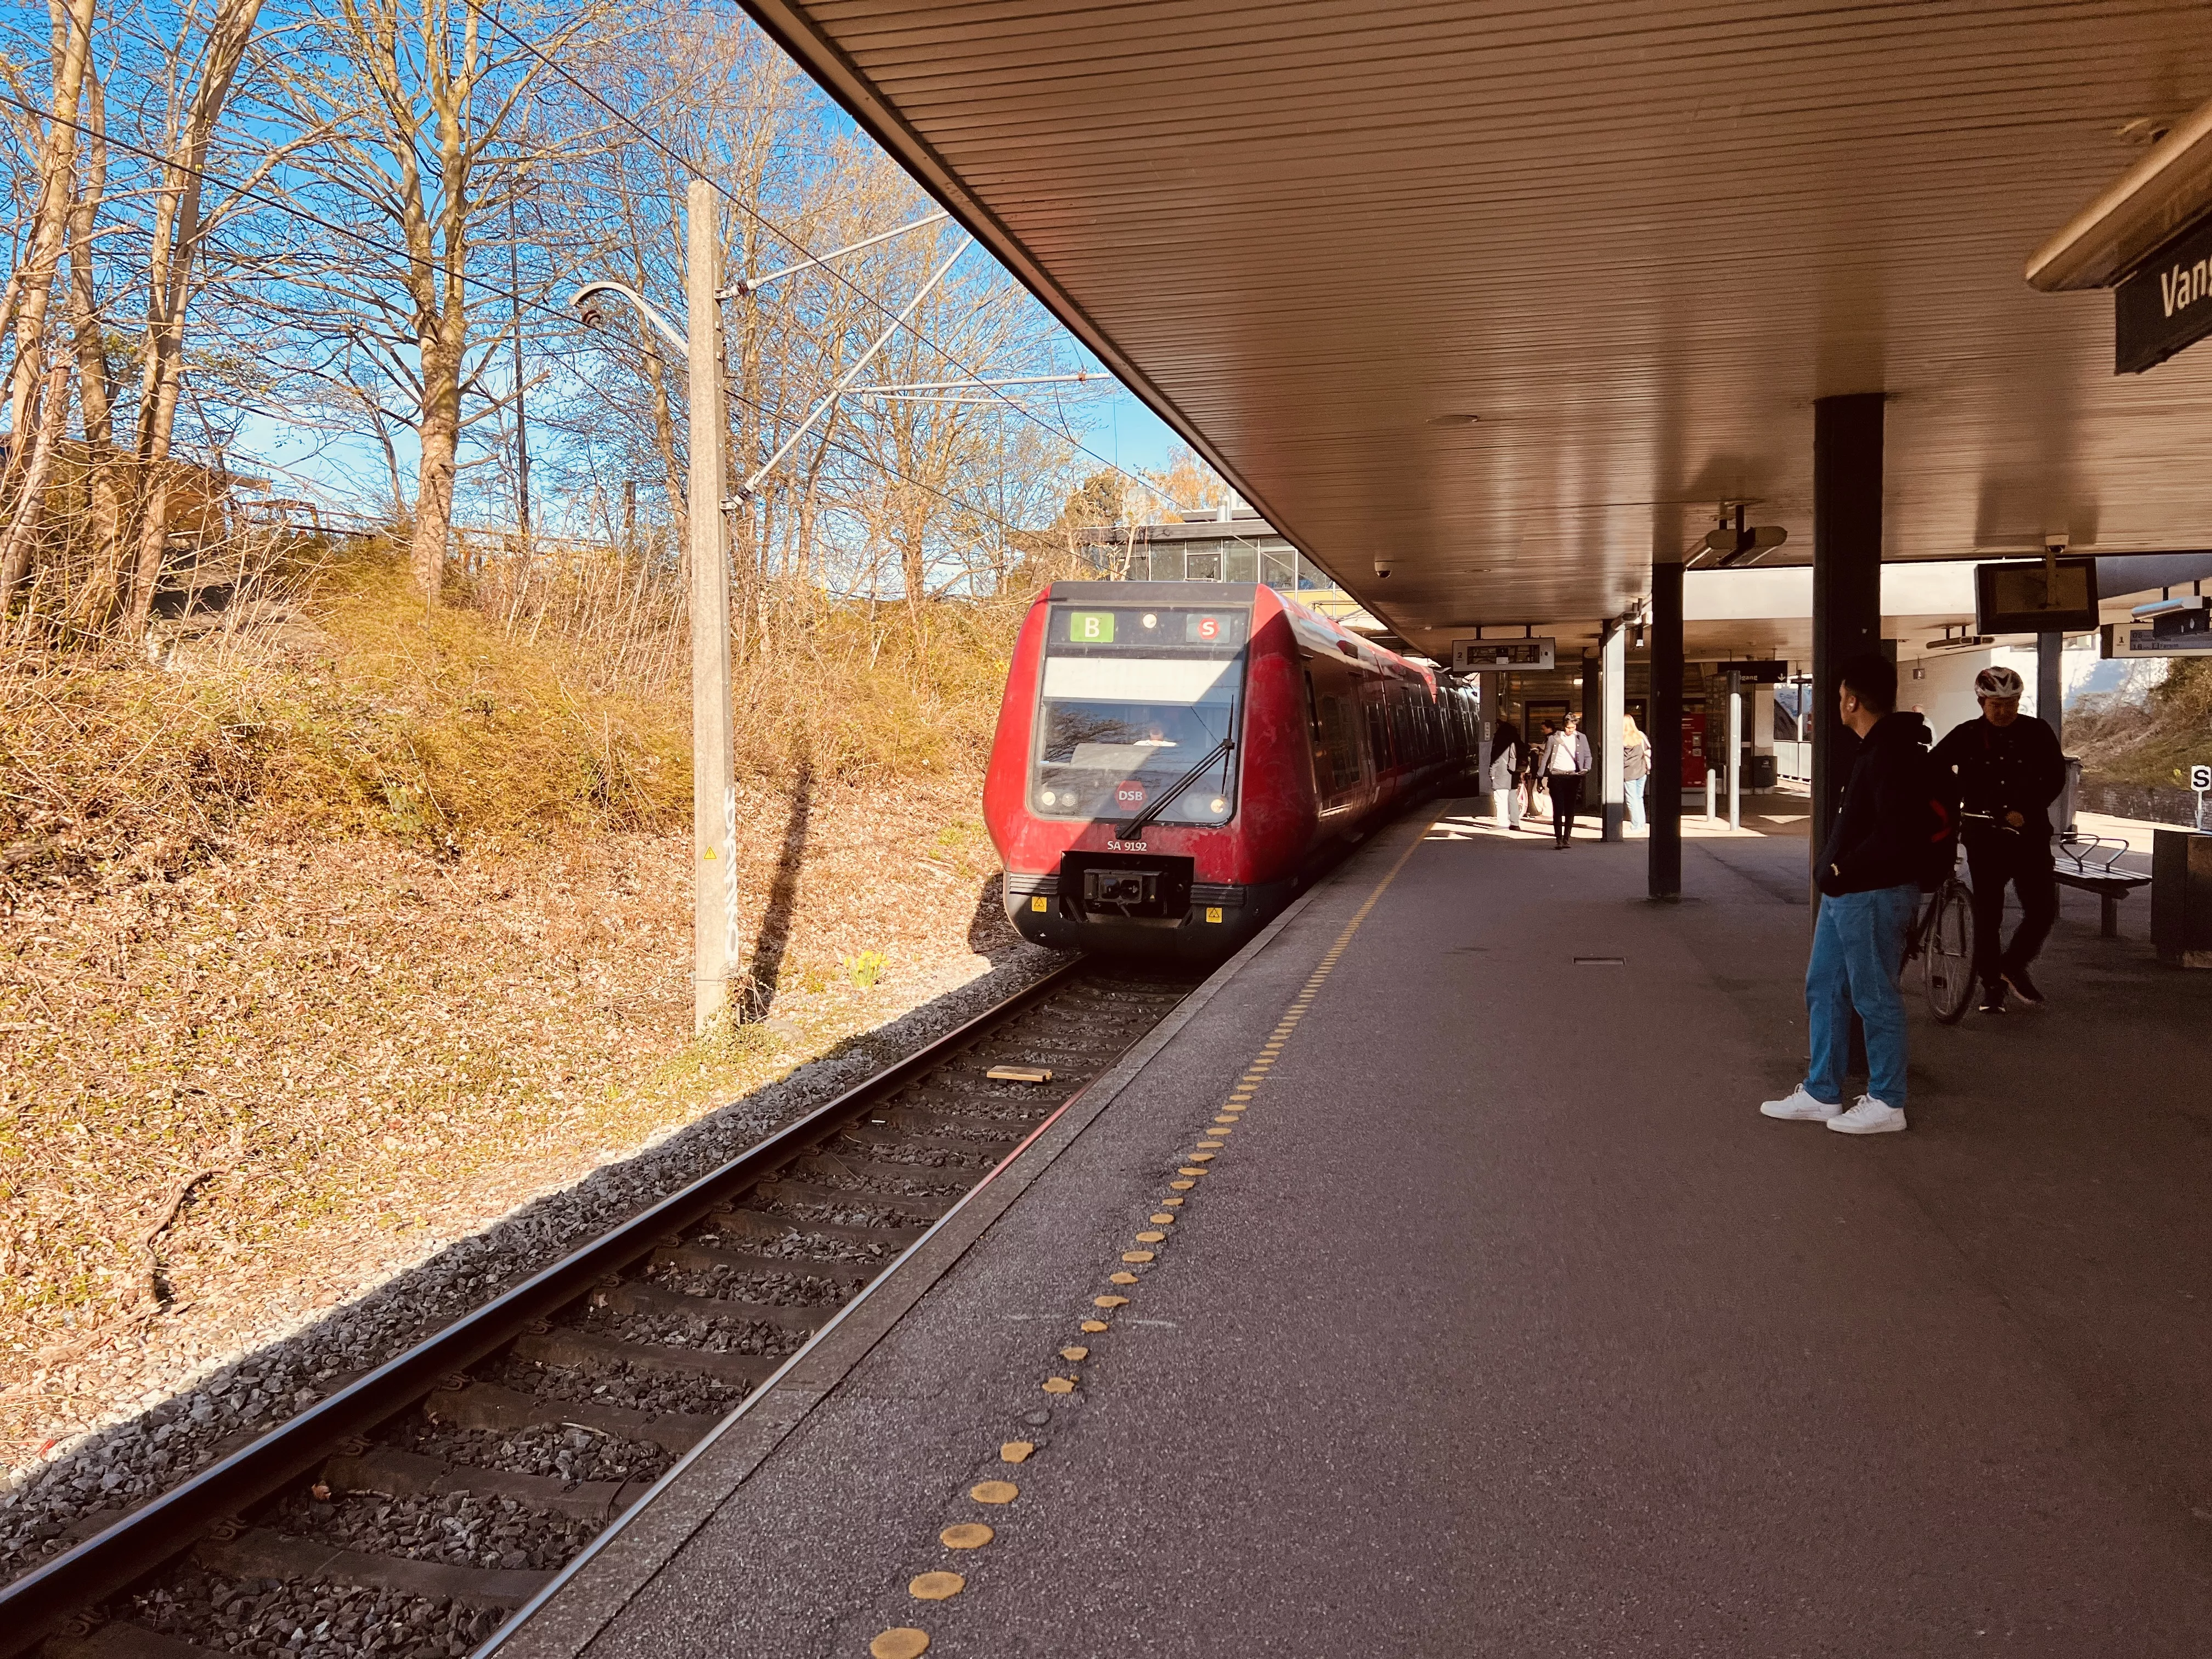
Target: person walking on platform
(1635,768)
(1566,763)
(1878,855)
(2008,771)
(1534,800)
(1505,773)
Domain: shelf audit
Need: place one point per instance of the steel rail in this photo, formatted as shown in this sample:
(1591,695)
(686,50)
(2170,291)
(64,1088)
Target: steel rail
(149,1537)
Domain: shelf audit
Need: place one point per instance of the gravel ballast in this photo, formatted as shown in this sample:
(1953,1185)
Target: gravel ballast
(841,1215)
(797,1246)
(739,1284)
(173,1428)
(267,1619)
(704,1334)
(637,1391)
(458,1527)
(569,1450)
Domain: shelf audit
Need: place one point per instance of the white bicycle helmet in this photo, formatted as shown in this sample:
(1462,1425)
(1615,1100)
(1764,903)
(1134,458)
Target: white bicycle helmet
(2000,685)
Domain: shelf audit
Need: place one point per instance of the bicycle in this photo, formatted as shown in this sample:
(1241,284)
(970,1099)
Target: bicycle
(1944,939)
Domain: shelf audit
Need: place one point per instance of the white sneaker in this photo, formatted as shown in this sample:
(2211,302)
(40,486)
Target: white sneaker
(1801,1108)
(1869,1117)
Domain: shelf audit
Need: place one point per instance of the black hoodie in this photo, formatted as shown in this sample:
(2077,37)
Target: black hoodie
(1889,830)
(2005,769)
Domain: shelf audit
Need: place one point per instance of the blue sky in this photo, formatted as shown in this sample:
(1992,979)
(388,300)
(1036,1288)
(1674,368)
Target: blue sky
(350,471)
(1133,436)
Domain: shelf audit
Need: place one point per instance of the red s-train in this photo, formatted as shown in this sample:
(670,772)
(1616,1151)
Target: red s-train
(1175,760)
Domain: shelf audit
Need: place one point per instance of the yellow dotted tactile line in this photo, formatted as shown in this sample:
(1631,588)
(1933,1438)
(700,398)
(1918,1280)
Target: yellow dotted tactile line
(908,1641)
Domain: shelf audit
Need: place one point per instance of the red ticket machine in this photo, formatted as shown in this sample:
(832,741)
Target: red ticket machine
(1694,749)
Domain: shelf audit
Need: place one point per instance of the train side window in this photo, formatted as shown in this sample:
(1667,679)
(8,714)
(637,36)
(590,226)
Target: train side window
(1335,746)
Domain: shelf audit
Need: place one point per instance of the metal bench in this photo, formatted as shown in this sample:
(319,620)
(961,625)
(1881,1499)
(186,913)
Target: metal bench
(2085,863)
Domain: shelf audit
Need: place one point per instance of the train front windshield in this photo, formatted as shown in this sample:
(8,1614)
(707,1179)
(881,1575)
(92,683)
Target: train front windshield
(1133,698)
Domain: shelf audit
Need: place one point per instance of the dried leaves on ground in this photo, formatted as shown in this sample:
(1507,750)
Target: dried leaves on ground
(248,1093)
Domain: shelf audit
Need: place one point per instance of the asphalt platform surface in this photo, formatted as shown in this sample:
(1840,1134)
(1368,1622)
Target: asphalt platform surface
(1503,1324)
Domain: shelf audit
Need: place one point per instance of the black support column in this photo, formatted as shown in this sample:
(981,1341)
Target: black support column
(2051,683)
(1662,793)
(1846,578)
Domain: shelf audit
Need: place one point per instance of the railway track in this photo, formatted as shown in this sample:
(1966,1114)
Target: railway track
(408,1514)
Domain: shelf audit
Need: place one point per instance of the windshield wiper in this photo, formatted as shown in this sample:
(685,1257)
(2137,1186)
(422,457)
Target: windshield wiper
(1168,796)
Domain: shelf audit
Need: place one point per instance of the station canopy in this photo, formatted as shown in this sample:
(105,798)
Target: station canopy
(1633,241)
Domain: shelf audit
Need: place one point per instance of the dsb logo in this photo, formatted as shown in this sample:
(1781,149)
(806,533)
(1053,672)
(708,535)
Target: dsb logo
(1131,793)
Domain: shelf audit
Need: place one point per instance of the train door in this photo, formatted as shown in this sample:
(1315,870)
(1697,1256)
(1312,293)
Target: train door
(1374,703)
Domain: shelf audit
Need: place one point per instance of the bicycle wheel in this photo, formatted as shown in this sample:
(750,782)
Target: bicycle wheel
(1947,954)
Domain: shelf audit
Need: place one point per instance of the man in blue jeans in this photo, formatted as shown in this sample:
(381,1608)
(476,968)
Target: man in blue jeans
(1883,843)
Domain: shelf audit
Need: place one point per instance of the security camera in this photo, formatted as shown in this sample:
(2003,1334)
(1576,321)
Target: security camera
(2056,545)
(1382,567)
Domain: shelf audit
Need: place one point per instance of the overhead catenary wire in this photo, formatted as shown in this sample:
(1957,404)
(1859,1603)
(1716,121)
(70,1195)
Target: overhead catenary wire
(808,256)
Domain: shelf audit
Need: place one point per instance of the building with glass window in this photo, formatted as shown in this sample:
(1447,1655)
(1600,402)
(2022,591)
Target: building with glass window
(1237,546)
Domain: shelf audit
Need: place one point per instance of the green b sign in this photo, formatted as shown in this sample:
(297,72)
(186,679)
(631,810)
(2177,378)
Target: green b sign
(1090,627)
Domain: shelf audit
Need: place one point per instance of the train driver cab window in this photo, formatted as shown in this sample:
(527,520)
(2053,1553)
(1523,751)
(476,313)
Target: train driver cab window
(1133,698)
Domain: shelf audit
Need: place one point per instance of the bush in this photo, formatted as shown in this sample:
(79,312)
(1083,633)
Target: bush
(528,707)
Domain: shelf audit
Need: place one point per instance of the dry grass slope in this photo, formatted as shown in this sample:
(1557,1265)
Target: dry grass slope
(2154,745)
(381,920)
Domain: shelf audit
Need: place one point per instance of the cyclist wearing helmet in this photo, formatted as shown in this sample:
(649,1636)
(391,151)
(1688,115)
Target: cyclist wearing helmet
(2009,770)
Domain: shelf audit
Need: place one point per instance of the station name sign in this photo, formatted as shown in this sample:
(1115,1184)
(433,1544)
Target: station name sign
(1481,656)
(1762,672)
(2165,305)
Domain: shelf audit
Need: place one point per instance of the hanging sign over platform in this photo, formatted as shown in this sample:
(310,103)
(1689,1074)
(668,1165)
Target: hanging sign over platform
(2166,305)
(1481,656)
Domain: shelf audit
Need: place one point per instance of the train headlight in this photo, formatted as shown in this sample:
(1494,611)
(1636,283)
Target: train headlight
(1218,805)
(1151,621)
(1049,798)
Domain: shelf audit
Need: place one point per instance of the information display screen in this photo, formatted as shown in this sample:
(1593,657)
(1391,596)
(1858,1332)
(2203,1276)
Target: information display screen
(2034,597)
(1473,656)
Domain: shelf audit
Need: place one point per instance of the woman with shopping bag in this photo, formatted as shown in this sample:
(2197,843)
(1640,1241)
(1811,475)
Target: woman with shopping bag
(1506,757)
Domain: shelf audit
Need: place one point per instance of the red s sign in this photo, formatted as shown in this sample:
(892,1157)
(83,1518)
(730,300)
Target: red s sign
(1209,628)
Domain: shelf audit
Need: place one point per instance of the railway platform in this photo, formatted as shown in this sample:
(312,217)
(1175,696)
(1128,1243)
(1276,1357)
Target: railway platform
(1489,1316)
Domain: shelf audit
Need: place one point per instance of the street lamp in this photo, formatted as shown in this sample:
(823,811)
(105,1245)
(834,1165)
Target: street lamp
(713,759)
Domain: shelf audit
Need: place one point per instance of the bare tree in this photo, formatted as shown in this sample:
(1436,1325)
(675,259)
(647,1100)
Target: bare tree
(56,190)
(430,131)
(179,229)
